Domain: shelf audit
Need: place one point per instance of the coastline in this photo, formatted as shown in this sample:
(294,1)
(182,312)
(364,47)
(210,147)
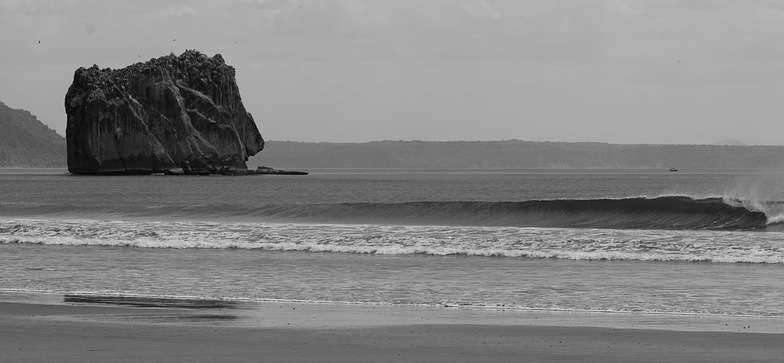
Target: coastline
(44,328)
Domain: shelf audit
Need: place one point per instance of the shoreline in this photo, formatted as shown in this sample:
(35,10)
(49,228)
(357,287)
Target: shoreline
(325,315)
(34,328)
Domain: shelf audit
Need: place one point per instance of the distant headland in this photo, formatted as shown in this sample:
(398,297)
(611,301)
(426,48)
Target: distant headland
(25,142)
(517,154)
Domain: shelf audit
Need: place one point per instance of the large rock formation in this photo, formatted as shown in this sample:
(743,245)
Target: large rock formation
(168,113)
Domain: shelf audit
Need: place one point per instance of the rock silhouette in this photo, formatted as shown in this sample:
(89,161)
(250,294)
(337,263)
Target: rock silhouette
(174,112)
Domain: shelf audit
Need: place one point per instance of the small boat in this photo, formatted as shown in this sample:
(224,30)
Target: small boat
(673,170)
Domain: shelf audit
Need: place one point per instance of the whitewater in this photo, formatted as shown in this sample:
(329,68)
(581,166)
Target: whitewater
(703,242)
(565,243)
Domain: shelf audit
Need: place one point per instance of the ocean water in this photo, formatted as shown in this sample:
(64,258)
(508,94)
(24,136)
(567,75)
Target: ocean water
(650,242)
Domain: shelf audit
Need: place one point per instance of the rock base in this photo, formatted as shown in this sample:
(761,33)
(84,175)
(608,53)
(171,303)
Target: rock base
(262,170)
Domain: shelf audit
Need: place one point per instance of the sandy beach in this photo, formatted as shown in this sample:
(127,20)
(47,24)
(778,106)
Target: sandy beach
(35,331)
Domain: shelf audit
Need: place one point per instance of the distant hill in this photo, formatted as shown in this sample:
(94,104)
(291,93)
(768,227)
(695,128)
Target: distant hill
(730,142)
(27,142)
(514,154)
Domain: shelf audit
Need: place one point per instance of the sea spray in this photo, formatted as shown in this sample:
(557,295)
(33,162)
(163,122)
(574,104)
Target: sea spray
(760,192)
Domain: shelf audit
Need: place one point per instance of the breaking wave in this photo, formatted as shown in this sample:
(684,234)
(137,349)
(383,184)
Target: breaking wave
(665,212)
(669,212)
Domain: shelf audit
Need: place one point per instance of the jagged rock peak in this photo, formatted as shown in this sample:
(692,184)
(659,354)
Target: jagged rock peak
(188,64)
(167,113)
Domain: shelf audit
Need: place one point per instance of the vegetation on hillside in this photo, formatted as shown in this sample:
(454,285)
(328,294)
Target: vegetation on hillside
(27,142)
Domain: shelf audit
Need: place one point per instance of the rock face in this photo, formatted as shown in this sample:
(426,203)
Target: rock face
(168,113)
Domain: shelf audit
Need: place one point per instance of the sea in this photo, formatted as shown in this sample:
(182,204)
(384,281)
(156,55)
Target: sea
(686,243)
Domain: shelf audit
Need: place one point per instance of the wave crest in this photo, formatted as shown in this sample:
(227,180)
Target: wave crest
(668,212)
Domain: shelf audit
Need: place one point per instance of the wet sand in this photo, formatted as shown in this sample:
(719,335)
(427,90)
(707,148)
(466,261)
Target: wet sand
(84,331)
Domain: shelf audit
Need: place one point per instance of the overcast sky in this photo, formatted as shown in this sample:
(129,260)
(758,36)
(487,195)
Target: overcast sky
(618,71)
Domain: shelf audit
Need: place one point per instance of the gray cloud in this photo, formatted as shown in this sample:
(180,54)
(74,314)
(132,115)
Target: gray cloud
(605,70)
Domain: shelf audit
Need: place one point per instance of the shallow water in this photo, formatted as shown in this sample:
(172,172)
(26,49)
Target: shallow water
(204,237)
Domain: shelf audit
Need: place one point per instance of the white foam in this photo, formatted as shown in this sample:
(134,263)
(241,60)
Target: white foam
(561,243)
